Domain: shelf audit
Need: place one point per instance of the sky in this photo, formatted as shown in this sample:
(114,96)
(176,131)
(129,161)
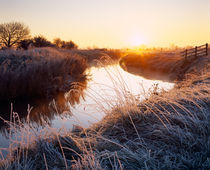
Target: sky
(114,23)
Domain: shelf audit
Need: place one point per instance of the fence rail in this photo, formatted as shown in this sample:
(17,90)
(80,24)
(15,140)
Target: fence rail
(196,52)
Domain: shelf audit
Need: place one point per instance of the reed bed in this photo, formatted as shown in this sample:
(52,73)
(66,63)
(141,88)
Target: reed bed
(38,72)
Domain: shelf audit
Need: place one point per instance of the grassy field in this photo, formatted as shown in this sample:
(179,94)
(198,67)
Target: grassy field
(168,130)
(165,65)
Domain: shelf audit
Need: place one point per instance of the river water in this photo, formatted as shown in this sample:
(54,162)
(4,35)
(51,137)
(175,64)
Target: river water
(88,103)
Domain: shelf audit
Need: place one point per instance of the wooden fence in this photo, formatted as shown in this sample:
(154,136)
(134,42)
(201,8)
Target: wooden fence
(196,52)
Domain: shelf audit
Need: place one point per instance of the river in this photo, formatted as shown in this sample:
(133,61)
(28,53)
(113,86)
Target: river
(88,103)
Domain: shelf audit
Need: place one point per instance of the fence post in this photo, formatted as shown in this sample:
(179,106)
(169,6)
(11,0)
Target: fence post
(206,48)
(196,50)
(186,54)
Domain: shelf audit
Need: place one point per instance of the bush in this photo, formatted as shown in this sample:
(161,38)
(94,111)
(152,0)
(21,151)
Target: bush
(41,41)
(69,45)
(64,44)
(24,44)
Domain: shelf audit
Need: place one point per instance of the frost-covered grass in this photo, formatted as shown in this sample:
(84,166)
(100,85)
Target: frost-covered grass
(168,130)
(41,72)
(44,72)
(167,65)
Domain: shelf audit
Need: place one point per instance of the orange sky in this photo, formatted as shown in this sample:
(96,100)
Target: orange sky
(114,23)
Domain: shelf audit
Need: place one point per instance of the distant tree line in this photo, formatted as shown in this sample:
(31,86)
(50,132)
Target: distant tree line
(17,35)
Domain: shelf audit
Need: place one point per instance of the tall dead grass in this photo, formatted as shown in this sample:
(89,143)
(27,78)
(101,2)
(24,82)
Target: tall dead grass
(38,73)
(168,130)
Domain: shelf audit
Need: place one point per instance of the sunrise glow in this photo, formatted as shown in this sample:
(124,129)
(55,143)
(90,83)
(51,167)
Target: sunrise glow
(114,24)
(136,40)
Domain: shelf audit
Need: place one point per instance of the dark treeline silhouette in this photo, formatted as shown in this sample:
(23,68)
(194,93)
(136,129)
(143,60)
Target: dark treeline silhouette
(41,41)
(17,35)
(64,44)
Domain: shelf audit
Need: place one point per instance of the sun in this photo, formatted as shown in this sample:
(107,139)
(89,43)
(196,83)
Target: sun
(136,40)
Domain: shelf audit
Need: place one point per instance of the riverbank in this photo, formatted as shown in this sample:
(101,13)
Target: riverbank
(45,72)
(165,65)
(38,73)
(165,130)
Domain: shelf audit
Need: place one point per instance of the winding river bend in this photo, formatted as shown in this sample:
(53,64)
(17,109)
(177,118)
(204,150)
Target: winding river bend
(86,104)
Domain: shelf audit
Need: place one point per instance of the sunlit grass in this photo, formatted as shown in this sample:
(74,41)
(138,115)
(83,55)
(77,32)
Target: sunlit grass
(167,65)
(165,130)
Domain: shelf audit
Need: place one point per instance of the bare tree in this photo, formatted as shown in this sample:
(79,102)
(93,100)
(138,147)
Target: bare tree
(12,33)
